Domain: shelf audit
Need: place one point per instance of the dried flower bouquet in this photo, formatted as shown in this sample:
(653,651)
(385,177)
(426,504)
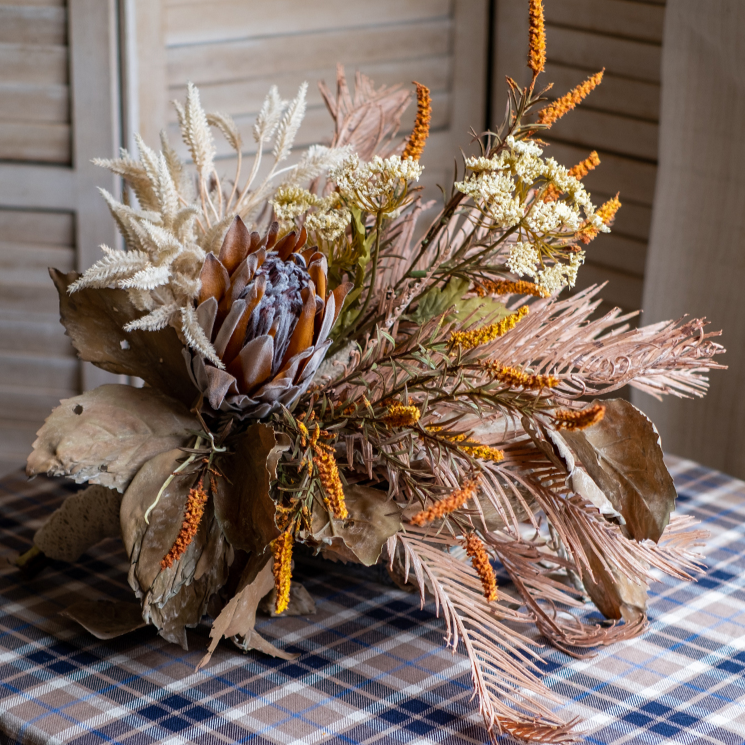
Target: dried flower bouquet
(317,375)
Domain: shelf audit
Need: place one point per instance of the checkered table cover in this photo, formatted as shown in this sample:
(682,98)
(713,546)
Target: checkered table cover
(372,667)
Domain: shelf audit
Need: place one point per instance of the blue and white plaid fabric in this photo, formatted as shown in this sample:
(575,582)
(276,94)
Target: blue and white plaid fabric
(372,667)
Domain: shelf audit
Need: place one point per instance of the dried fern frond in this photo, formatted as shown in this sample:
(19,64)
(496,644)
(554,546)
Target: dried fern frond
(503,669)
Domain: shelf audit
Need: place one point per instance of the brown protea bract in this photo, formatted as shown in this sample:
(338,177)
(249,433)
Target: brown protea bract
(264,305)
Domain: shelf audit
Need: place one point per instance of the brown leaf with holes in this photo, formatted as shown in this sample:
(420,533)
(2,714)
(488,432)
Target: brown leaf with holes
(95,320)
(106,435)
(623,456)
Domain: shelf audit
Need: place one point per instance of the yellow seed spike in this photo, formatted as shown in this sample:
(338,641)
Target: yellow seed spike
(518,378)
(485,334)
(568,101)
(508,287)
(328,473)
(400,415)
(537,36)
(418,138)
(607,213)
(282,551)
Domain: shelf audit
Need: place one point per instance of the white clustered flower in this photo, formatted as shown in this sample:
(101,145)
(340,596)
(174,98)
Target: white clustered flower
(555,277)
(377,186)
(523,259)
(328,225)
(552,217)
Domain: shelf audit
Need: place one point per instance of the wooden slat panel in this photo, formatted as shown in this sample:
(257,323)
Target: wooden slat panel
(33,25)
(611,132)
(231,60)
(31,226)
(200,22)
(34,103)
(41,143)
(615,95)
(42,371)
(28,299)
(47,3)
(19,333)
(622,290)
(614,17)
(30,405)
(34,64)
(635,179)
(246,96)
(615,251)
(34,257)
(592,52)
(16,438)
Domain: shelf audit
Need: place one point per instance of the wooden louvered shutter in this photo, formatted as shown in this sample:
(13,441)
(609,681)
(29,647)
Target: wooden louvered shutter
(619,119)
(234,50)
(58,109)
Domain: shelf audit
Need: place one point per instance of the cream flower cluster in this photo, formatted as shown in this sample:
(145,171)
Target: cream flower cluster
(328,220)
(494,186)
(379,186)
(524,260)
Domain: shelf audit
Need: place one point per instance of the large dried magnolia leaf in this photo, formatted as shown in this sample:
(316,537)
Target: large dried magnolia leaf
(105,435)
(175,597)
(615,595)
(106,619)
(373,519)
(94,319)
(623,456)
(238,617)
(83,520)
(243,506)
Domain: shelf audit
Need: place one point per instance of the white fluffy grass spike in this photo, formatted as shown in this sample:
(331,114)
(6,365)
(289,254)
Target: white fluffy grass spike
(114,266)
(196,338)
(289,125)
(154,321)
(269,116)
(196,132)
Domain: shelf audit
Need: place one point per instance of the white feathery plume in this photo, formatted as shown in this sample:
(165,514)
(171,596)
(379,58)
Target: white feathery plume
(183,223)
(155,320)
(148,278)
(166,191)
(289,125)
(165,242)
(196,132)
(269,116)
(175,165)
(225,123)
(196,338)
(115,265)
(316,161)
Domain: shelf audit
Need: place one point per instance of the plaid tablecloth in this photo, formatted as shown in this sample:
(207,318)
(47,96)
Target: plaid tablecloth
(372,669)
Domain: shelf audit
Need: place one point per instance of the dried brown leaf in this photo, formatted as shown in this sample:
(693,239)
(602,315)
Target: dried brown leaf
(94,319)
(106,435)
(243,506)
(623,456)
(372,520)
(238,617)
(83,520)
(106,619)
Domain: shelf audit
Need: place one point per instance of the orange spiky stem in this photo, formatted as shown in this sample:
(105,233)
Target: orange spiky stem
(480,562)
(537,36)
(195,504)
(508,287)
(518,379)
(568,101)
(574,420)
(420,132)
(455,500)
(328,473)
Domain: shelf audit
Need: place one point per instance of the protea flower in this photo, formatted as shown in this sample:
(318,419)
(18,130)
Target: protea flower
(264,306)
